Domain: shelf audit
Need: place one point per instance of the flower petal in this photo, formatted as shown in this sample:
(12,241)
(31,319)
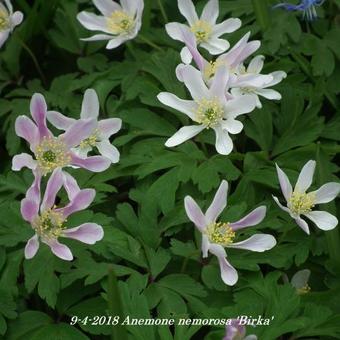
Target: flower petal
(210,12)
(117,41)
(3,37)
(285,185)
(71,186)
(277,78)
(193,80)
(25,128)
(31,247)
(108,150)
(175,30)
(132,6)
(302,224)
(59,121)
(326,193)
(305,177)
(239,106)
(253,218)
(23,160)
(93,22)
(234,330)
(60,250)
(256,64)
(215,45)
(218,204)
(323,219)
(227,26)
(205,245)
(93,163)
(300,278)
(78,131)
(187,9)
(183,134)
(81,201)
(53,186)
(88,233)
(223,143)
(38,110)
(98,37)
(107,7)
(219,83)
(29,209)
(187,107)
(17,18)
(108,127)
(90,105)
(257,242)
(269,94)
(194,213)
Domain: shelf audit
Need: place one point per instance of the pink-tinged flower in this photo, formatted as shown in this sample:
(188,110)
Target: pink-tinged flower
(300,281)
(299,202)
(119,22)
(210,108)
(48,221)
(8,20)
(52,152)
(99,137)
(205,29)
(236,331)
(219,235)
(254,68)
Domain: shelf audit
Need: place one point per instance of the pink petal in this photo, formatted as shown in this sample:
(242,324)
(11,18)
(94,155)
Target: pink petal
(219,83)
(38,109)
(53,186)
(257,242)
(32,247)
(253,218)
(23,160)
(59,121)
(78,131)
(71,186)
(93,163)
(25,128)
(80,202)
(194,213)
(60,250)
(218,204)
(234,329)
(88,233)
(29,209)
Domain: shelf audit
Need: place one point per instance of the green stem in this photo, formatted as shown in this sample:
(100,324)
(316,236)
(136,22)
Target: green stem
(131,50)
(161,7)
(149,42)
(34,59)
(115,305)
(185,261)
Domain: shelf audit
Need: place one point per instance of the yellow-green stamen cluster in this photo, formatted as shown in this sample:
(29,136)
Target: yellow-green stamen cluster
(4,20)
(120,22)
(52,153)
(89,142)
(220,233)
(300,203)
(210,69)
(209,112)
(50,224)
(202,30)
(303,290)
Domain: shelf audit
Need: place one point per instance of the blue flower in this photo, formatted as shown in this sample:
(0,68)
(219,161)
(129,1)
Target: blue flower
(305,6)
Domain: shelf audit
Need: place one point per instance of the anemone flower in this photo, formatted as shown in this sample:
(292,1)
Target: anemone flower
(48,221)
(101,133)
(236,331)
(307,7)
(210,108)
(52,152)
(219,235)
(205,29)
(299,202)
(8,20)
(118,22)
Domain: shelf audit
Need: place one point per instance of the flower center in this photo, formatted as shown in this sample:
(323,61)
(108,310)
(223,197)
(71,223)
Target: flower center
(300,203)
(202,30)
(120,22)
(210,69)
(220,233)
(209,112)
(49,225)
(303,290)
(4,20)
(90,142)
(52,153)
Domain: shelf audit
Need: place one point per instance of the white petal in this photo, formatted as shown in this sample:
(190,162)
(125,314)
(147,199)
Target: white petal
(215,46)
(106,7)
(257,242)
(218,204)
(98,37)
(17,18)
(31,247)
(227,26)
(175,30)
(194,82)
(59,121)
(240,105)
(115,42)
(108,150)
(256,64)
(326,193)
(277,77)
(187,9)
(280,205)
(269,94)
(233,126)
(194,213)
(210,12)
(300,278)
(302,224)
(90,105)
(285,185)
(205,246)
(323,219)
(183,134)
(223,143)
(93,22)
(305,177)
(253,218)
(3,37)
(186,56)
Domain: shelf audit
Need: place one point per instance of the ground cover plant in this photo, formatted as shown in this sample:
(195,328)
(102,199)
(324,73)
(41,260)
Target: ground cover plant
(169,169)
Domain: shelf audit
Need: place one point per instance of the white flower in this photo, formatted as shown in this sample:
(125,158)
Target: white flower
(8,20)
(219,235)
(119,22)
(101,133)
(300,281)
(254,68)
(205,29)
(210,108)
(299,202)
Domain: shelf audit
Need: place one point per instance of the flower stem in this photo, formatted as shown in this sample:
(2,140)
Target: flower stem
(34,59)
(161,7)
(149,42)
